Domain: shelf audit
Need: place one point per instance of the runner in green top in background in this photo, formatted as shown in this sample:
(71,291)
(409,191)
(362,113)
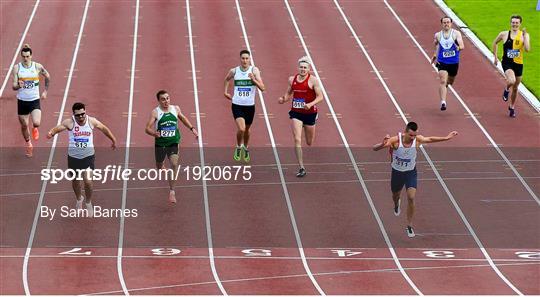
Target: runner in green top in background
(163,125)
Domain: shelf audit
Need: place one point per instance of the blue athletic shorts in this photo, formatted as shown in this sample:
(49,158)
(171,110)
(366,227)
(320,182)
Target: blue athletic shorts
(403,178)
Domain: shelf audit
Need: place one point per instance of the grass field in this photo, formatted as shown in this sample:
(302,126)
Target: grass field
(488,17)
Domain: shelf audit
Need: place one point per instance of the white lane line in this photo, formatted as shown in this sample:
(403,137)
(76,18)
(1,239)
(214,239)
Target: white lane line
(321,274)
(278,163)
(51,154)
(201,154)
(471,114)
(128,145)
(353,161)
(23,37)
(428,159)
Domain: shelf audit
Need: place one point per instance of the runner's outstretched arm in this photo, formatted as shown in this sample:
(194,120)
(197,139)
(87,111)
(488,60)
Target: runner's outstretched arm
(423,139)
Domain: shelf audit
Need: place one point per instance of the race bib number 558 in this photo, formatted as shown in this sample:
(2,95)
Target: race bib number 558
(512,54)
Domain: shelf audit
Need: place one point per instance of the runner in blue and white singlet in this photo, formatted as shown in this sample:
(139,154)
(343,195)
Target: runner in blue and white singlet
(404,158)
(448,49)
(448,46)
(403,149)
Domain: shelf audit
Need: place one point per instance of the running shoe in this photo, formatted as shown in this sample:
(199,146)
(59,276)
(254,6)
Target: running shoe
(246,154)
(35,133)
(443,106)
(505,94)
(237,153)
(172,196)
(301,172)
(90,209)
(397,209)
(79,203)
(512,112)
(29,149)
(410,231)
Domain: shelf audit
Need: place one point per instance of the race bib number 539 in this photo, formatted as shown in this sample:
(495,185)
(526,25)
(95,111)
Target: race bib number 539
(28,84)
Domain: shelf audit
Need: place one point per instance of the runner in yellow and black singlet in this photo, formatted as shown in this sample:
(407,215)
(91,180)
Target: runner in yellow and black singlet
(516,41)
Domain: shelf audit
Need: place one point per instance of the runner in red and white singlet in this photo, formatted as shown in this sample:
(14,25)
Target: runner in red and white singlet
(305,92)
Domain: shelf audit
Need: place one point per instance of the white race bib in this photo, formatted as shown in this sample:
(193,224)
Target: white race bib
(81,142)
(449,53)
(167,133)
(513,53)
(298,103)
(244,92)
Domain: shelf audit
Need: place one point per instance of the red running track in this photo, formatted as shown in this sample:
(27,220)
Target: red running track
(167,249)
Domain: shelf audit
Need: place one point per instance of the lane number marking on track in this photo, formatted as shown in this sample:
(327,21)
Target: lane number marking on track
(165,251)
(257,253)
(528,255)
(345,253)
(76,252)
(439,254)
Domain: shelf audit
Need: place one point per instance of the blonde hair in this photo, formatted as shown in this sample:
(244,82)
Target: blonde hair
(304,59)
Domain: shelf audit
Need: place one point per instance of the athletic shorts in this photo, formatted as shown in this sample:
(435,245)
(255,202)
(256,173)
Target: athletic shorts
(162,151)
(308,119)
(26,107)
(243,111)
(518,68)
(403,178)
(88,162)
(452,69)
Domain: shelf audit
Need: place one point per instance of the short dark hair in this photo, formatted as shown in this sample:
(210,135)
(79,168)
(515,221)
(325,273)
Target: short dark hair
(26,48)
(516,16)
(244,52)
(411,126)
(160,92)
(446,17)
(77,106)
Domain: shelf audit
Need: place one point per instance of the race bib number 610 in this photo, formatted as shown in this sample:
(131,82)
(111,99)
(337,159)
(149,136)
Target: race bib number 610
(298,103)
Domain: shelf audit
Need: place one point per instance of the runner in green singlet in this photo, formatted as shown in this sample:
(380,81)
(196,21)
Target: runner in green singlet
(163,125)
